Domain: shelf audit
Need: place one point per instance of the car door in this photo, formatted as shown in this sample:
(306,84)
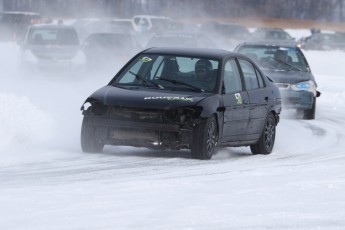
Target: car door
(258,98)
(236,104)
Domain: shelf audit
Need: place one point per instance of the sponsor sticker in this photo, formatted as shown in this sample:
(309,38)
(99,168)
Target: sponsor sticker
(145,59)
(238,98)
(172,98)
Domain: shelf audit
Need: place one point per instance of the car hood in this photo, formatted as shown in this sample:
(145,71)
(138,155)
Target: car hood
(291,77)
(147,98)
(54,52)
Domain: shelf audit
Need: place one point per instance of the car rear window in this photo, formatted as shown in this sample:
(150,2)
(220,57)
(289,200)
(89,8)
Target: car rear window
(53,36)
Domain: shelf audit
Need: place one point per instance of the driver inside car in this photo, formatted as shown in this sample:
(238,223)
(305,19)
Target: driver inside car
(206,79)
(282,55)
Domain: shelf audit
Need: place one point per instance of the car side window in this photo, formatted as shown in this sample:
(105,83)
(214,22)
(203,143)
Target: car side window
(260,78)
(249,74)
(157,68)
(232,80)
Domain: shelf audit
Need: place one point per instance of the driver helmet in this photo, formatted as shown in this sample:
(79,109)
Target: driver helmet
(203,67)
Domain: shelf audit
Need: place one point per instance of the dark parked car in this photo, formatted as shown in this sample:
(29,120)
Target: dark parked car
(177,98)
(228,34)
(181,39)
(230,30)
(104,50)
(13,24)
(288,67)
(323,41)
(51,47)
(270,34)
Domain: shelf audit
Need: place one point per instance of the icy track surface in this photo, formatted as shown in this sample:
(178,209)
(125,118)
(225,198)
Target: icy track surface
(46,182)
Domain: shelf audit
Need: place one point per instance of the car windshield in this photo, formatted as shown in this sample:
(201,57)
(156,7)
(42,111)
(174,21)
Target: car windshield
(170,73)
(53,36)
(277,58)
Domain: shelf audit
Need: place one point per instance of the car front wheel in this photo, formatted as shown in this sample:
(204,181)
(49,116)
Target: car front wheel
(205,139)
(267,138)
(89,143)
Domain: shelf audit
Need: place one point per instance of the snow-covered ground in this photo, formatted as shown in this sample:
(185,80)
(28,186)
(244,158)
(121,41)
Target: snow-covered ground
(46,182)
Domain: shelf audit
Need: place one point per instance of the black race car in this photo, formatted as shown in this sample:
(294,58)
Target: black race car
(285,63)
(184,98)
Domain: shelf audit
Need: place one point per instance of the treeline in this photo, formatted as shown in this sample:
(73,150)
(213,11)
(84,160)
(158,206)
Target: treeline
(325,10)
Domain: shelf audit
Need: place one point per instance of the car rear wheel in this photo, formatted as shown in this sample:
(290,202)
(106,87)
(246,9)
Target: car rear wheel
(89,143)
(309,114)
(205,139)
(266,141)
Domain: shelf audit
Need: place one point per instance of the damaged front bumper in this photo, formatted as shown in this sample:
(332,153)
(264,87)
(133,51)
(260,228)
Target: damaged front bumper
(141,134)
(142,127)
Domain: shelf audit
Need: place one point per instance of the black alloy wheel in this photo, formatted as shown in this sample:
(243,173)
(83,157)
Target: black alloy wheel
(88,141)
(205,139)
(267,138)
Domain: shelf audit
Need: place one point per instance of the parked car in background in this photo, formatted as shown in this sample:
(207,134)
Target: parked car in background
(270,34)
(107,50)
(323,41)
(228,34)
(184,98)
(13,24)
(150,23)
(87,26)
(288,67)
(182,39)
(182,27)
(51,47)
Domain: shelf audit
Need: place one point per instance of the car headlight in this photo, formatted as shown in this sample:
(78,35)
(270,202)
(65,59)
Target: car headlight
(305,86)
(85,106)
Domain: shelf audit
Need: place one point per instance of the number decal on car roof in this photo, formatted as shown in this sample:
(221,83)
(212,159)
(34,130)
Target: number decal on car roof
(145,59)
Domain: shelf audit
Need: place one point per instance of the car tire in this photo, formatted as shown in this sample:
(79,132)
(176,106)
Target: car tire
(205,139)
(309,114)
(266,141)
(89,144)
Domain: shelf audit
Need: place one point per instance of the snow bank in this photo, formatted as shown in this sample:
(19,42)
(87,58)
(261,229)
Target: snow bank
(22,123)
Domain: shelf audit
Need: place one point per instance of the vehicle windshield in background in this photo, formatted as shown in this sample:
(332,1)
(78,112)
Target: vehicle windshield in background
(181,39)
(279,58)
(53,36)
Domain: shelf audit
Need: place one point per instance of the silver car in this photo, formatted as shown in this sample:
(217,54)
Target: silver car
(51,47)
(285,63)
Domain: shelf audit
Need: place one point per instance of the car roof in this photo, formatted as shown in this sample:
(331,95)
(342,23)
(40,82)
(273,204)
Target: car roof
(51,26)
(201,52)
(286,44)
(151,16)
(269,29)
(178,33)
